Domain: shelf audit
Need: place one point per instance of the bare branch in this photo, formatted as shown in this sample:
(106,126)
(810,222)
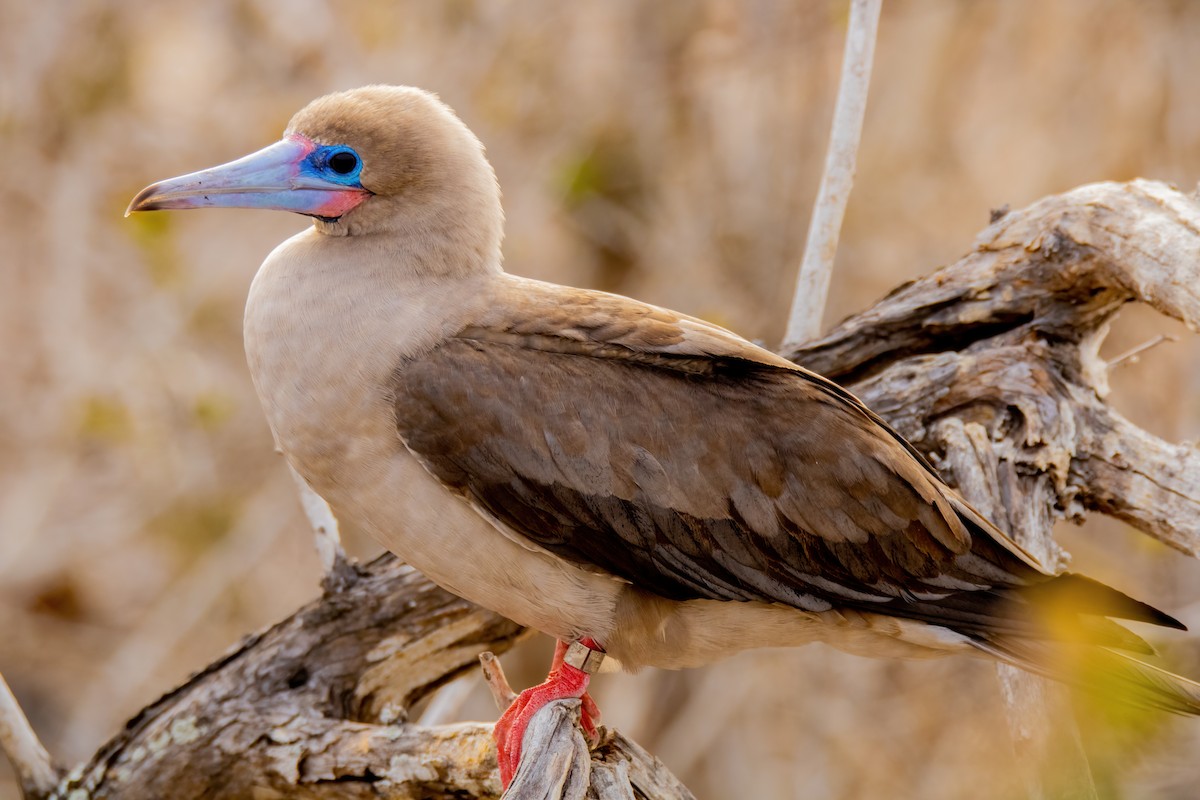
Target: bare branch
(1134,476)
(35,771)
(992,365)
(825,225)
(1007,337)
(497,682)
(315,707)
(555,762)
(1063,266)
(1133,355)
(339,573)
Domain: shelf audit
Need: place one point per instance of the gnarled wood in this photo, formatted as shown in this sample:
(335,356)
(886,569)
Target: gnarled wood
(1063,266)
(316,707)
(1008,337)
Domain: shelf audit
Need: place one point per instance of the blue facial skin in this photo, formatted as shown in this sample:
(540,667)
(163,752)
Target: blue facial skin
(329,162)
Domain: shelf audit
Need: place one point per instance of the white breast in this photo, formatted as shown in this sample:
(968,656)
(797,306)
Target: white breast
(323,333)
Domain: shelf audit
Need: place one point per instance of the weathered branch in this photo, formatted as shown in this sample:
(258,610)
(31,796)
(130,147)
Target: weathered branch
(35,770)
(1008,336)
(316,707)
(326,536)
(825,226)
(556,765)
(1121,470)
(1062,266)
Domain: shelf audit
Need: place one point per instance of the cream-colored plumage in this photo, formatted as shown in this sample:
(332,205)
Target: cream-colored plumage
(591,466)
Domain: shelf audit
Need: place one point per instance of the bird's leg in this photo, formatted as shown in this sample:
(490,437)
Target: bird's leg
(589,712)
(570,672)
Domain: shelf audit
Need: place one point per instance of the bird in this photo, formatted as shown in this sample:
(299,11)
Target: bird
(646,487)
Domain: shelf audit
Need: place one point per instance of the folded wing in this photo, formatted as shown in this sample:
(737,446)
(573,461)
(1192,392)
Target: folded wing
(684,460)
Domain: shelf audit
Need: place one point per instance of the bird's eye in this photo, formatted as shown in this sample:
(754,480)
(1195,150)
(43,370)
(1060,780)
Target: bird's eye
(343,162)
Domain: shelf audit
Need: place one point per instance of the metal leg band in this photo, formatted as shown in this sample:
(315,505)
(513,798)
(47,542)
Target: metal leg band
(584,658)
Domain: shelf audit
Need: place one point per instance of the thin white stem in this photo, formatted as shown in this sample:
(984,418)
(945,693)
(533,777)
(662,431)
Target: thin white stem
(497,683)
(35,770)
(812,285)
(327,536)
(1134,355)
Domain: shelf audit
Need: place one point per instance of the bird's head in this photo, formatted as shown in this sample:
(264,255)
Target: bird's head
(379,159)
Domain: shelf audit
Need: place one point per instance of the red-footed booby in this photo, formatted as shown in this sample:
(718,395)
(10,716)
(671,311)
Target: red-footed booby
(644,486)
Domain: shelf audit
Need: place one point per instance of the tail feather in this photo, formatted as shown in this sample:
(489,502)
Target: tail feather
(1108,673)
(1080,594)
(1106,633)
(1066,608)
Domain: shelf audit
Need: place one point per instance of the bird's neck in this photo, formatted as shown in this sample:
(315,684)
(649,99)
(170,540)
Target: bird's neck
(448,235)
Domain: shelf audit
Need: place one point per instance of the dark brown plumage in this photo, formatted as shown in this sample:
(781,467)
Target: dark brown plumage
(776,485)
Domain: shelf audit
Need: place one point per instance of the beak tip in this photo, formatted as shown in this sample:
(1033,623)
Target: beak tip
(143,200)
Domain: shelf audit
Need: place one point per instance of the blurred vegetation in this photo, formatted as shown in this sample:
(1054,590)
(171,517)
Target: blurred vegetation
(665,150)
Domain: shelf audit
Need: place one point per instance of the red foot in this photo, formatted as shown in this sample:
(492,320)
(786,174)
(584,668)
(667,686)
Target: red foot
(563,682)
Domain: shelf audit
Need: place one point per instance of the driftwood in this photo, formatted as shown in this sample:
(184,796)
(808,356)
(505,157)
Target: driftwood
(989,365)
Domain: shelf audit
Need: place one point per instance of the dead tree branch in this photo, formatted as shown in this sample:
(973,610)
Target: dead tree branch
(317,707)
(825,227)
(1008,338)
(35,771)
(989,365)
(326,536)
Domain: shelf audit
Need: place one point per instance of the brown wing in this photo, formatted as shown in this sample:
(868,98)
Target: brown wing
(696,476)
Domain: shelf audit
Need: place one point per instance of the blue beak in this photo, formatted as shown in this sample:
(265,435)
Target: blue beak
(281,177)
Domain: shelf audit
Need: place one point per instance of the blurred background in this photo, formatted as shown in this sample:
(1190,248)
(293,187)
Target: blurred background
(668,151)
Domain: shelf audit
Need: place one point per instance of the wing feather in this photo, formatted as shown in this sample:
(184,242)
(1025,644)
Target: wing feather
(678,457)
(690,475)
